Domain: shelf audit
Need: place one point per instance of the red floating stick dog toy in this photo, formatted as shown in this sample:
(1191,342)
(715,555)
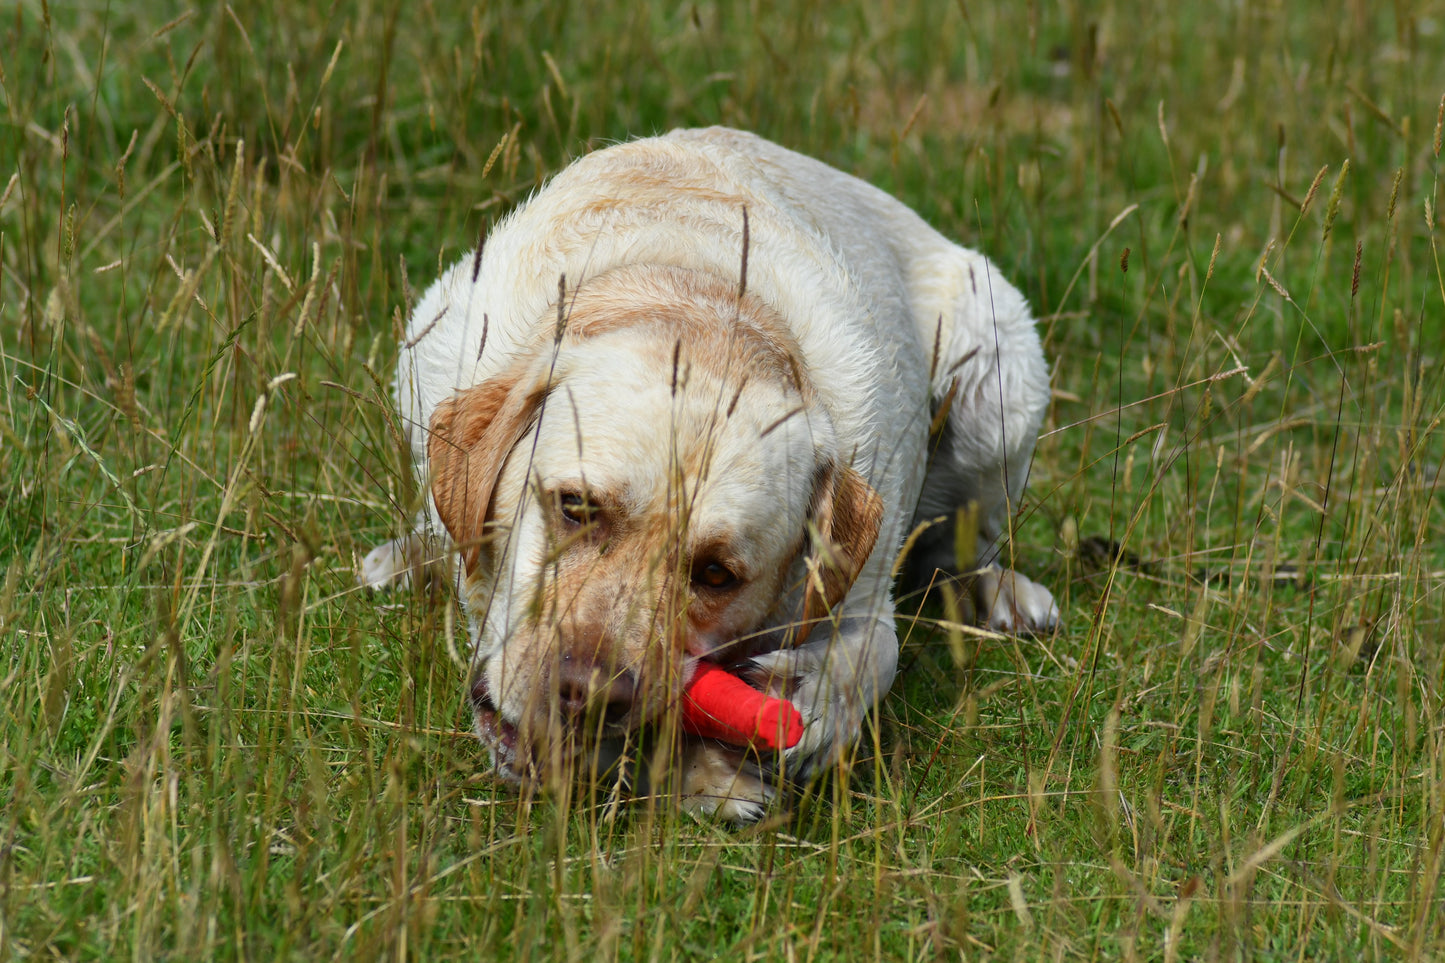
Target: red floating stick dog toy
(719,705)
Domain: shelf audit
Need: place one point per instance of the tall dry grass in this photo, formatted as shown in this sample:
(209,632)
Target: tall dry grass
(212,745)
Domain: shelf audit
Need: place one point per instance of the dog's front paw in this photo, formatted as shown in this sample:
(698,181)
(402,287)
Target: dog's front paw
(831,713)
(1014,604)
(717,782)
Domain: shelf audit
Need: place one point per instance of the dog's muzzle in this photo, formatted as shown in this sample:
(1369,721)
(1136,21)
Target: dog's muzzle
(591,691)
(499,735)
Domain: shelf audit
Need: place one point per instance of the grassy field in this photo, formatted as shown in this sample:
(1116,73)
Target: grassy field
(212,745)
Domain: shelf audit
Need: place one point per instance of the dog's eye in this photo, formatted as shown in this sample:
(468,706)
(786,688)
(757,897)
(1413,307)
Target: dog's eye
(713,575)
(576,509)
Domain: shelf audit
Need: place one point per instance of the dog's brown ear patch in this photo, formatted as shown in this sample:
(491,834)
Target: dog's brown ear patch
(471,434)
(847,513)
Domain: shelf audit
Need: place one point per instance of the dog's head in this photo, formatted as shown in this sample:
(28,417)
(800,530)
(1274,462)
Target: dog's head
(653,486)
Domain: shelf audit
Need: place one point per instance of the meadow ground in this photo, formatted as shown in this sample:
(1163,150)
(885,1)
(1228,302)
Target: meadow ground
(212,222)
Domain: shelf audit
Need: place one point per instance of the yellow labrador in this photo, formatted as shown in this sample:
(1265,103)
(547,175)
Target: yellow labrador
(677,409)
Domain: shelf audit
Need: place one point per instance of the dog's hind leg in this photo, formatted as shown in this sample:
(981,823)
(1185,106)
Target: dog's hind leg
(394,564)
(989,373)
(419,557)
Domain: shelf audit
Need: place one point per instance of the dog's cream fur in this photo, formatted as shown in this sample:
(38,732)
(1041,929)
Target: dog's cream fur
(656,437)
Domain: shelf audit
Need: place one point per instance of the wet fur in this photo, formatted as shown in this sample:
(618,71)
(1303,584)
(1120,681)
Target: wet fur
(607,345)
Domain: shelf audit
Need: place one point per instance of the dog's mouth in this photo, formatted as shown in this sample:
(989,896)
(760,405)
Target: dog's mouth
(499,735)
(599,737)
(513,756)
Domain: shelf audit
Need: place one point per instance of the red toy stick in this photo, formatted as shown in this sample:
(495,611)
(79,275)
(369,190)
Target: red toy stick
(719,705)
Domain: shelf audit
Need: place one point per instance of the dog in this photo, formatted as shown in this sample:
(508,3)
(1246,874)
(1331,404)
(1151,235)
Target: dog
(678,407)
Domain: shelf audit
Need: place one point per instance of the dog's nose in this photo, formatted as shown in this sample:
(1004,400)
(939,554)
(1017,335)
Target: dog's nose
(585,685)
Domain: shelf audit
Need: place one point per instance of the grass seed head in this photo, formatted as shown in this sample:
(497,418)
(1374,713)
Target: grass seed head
(1337,193)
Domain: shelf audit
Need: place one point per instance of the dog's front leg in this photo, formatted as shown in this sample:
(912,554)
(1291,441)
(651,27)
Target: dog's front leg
(834,679)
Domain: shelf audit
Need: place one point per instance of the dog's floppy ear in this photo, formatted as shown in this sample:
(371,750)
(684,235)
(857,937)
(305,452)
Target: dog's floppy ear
(471,434)
(846,515)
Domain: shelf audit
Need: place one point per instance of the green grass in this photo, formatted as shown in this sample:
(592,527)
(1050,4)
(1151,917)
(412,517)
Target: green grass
(213,745)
